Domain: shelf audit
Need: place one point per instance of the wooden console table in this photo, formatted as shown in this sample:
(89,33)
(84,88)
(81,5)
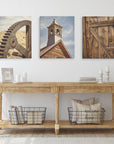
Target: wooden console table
(56,88)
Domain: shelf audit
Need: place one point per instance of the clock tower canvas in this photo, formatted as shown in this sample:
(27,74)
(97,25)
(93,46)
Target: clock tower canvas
(57,37)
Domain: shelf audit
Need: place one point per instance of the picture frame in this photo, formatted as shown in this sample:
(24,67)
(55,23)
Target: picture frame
(18,38)
(57,37)
(98,33)
(7,75)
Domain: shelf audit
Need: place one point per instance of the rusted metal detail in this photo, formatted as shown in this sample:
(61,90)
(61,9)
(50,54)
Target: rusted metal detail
(9,40)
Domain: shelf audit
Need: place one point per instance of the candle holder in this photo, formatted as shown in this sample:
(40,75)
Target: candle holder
(107,76)
(100,80)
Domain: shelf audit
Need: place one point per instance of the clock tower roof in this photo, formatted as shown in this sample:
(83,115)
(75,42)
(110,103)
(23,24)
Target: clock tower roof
(54,32)
(54,21)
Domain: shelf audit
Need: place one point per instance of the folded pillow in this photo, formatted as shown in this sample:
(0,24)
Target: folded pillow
(20,115)
(13,115)
(88,113)
(75,101)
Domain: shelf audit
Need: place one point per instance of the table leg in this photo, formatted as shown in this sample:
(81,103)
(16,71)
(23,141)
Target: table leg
(0,106)
(57,111)
(113,106)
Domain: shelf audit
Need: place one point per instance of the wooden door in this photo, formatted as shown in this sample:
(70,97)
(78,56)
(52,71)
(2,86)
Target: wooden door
(98,37)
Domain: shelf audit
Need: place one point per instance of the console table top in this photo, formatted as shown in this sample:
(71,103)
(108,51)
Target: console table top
(53,84)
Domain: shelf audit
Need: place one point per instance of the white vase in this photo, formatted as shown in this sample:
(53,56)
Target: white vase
(17,78)
(25,77)
(100,79)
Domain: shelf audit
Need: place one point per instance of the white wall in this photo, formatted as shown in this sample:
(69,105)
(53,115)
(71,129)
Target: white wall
(41,70)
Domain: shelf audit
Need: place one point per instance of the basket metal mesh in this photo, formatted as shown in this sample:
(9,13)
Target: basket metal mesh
(86,117)
(29,115)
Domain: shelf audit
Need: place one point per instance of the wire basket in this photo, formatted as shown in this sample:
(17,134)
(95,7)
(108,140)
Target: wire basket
(29,115)
(86,117)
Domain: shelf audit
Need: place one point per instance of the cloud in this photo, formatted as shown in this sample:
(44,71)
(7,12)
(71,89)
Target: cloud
(70,42)
(44,22)
(43,26)
(68,31)
(43,44)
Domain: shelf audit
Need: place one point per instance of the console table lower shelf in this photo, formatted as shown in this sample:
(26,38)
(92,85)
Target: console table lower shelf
(57,88)
(62,124)
(46,124)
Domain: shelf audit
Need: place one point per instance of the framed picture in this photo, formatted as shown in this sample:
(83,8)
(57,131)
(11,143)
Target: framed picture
(98,37)
(15,37)
(7,75)
(56,37)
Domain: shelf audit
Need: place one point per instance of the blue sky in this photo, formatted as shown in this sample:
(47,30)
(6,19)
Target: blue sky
(67,22)
(7,21)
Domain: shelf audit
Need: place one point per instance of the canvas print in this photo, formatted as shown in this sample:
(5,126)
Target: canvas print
(15,37)
(57,37)
(98,37)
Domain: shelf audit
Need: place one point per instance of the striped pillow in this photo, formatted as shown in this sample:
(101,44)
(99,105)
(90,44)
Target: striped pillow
(88,113)
(75,101)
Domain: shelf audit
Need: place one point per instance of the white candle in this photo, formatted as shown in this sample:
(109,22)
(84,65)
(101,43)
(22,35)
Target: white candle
(18,78)
(25,77)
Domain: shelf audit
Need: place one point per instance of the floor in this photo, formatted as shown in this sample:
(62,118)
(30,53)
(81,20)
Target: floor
(47,136)
(50,133)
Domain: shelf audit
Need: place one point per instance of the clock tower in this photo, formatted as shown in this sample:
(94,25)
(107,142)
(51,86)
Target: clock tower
(54,33)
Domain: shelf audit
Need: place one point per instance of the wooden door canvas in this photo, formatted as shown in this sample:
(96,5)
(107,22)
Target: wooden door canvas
(57,37)
(98,37)
(15,37)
